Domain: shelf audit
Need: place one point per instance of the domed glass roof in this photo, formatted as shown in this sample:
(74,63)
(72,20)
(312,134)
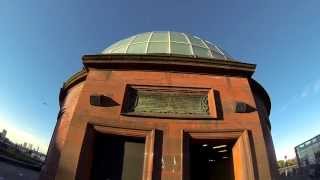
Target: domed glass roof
(166,42)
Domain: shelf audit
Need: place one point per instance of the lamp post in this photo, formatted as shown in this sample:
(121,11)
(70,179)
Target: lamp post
(285,165)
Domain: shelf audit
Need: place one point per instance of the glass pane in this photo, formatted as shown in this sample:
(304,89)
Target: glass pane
(226,54)
(178,37)
(158,47)
(141,37)
(107,50)
(139,48)
(160,36)
(121,43)
(180,48)
(210,45)
(121,49)
(215,51)
(217,55)
(196,41)
(201,52)
(218,50)
(117,45)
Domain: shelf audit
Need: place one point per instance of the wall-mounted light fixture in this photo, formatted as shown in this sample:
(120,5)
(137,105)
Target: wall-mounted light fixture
(102,100)
(242,107)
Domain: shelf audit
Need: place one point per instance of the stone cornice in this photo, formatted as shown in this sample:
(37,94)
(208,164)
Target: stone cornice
(73,80)
(169,63)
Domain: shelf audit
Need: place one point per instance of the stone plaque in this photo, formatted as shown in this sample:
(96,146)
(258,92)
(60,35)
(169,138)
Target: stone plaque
(167,102)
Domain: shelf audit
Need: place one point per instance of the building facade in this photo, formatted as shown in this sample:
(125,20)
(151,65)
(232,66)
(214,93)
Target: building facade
(3,134)
(162,105)
(308,153)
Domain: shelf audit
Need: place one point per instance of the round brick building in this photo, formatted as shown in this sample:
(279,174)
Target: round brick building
(162,105)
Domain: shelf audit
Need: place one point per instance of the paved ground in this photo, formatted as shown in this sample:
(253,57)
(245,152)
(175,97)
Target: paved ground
(298,178)
(9,171)
(12,172)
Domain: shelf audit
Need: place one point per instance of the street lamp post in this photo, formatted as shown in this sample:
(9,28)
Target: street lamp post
(285,166)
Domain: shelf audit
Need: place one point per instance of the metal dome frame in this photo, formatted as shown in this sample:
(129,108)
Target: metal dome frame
(170,43)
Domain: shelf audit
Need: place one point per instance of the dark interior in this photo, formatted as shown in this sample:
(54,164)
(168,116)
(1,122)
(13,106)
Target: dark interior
(211,160)
(117,158)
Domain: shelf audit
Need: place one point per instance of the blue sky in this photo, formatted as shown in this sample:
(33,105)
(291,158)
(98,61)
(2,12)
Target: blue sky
(42,43)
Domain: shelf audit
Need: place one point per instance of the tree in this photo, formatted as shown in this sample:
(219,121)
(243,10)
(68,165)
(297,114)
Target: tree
(289,162)
(281,163)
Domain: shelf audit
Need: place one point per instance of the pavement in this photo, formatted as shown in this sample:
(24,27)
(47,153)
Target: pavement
(298,178)
(10,171)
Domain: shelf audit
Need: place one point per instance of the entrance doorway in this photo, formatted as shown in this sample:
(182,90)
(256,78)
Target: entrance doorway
(117,157)
(115,153)
(211,159)
(219,155)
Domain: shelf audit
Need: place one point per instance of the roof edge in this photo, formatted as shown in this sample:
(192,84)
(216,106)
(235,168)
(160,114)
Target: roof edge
(72,81)
(255,86)
(265,96)
(166,62)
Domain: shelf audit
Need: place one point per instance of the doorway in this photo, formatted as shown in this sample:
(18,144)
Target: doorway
(117,157)
(218,155)
(211,159)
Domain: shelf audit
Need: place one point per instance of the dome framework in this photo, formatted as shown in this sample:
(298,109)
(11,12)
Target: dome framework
(166,42)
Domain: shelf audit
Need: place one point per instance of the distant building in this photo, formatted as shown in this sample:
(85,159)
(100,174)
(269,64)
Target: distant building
(3,138)
(23,148)
(30,146)
(308,153)
(38,155)
(4,133)
(25,145)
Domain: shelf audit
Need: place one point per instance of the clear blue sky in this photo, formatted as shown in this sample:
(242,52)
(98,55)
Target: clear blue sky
(41,44)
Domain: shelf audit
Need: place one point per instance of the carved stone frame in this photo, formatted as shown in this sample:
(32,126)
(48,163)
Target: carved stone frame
(212,110)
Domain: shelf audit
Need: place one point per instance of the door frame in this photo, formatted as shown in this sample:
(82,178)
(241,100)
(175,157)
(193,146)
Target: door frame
(87,148)
(232,134)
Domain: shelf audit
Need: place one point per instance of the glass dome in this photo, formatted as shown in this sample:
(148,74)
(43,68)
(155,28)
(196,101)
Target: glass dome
(170,43)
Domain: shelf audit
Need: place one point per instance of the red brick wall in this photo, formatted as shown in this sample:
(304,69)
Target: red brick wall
(70,133)
(60,132)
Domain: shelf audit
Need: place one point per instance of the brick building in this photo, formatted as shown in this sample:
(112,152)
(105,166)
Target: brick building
(162,105)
